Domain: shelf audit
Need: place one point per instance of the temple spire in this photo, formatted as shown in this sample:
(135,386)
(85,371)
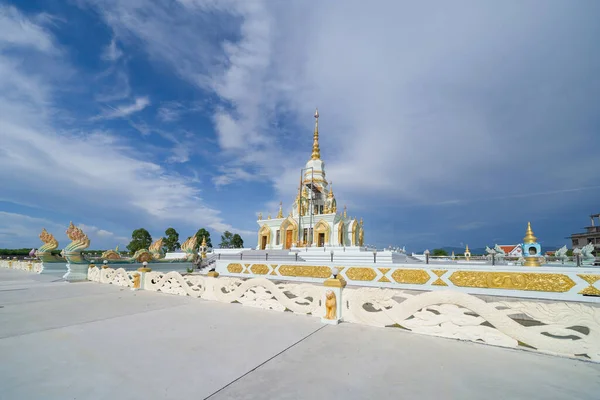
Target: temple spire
(316,152)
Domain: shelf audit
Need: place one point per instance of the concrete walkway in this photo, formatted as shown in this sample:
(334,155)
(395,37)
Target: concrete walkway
(92,341)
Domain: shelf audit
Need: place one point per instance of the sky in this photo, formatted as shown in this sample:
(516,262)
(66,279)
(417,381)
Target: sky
(441,123)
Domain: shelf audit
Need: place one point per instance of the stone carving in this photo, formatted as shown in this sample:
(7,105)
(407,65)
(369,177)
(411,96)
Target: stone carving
(156,249)
(174,283)
(50,243)
(587,258)
(94,274)
(330,305)
(561,254)
(462,316)
(513,280)
(117,277)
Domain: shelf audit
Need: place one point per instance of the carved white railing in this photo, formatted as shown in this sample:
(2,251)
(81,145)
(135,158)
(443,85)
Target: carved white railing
(23,265)
(555,327)
(562,328)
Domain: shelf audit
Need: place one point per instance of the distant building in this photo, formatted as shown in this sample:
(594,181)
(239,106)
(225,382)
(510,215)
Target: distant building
(512,250)
(591,236)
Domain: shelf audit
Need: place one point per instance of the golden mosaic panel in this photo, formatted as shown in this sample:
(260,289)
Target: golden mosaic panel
(384,279)
(591,279)
(439,273)
(235,268)
(259,269)
(306,271)
(247,269)
(513,280)
(361,274)
(274,266)
(412,276)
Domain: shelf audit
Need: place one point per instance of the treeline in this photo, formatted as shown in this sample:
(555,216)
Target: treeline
(141,239)
(25,252)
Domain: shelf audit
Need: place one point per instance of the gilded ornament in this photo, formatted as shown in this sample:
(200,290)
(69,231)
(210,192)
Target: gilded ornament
(529,237)
(316,153)
(361,274)
(235,268)
(136,280)
(259,269)
(411,276)
(591,289)
(439,273)
(280,213)
(330,305)
(308,271)
(513,280)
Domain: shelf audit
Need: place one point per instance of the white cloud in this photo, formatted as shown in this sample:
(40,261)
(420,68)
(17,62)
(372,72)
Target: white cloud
(170,111)
(16,30)
(112,52)
(125,110)
(84,173)
(417,104)
(18,230)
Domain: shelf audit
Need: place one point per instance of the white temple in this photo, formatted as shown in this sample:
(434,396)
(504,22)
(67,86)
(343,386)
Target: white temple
(314,220)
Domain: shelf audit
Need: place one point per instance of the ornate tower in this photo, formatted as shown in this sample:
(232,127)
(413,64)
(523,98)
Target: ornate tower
(532,251)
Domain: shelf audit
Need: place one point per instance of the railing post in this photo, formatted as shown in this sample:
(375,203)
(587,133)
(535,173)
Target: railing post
(493,259)
(219,256)
(142,271)
(296,256)
(241,255)
(266,256)
(333,298)
(426,256)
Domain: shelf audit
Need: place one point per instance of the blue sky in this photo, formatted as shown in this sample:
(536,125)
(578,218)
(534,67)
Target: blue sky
(439,126)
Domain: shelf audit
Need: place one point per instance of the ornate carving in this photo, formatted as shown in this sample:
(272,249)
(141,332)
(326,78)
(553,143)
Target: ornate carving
(79,242)
(259,269)
(156,249)
(307,271)
(360,274)
(111,255)
(235,268)
(411,276)
(174,283)
(439,273)
(330,305)
(50,243)
(591,279)
(513,280)
(136,280)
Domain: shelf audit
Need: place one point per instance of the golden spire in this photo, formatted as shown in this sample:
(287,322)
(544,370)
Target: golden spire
(330,194)
(467,249)
(345,213)
(203,241)
(316,152)
(529,238)
(361,221)
(280,213)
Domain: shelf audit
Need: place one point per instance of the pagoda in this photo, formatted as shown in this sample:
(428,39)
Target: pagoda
(314,220)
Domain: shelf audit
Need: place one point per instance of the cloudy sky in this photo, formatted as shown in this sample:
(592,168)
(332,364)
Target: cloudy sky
(442,123)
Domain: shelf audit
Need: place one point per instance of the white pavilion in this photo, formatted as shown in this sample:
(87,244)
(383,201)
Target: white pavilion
(314,220)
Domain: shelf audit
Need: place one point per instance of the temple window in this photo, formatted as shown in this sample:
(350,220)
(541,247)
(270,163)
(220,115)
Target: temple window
(277,236)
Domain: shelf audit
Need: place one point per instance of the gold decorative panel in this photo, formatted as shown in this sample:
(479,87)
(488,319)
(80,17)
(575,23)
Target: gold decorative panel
(235,268)
(361,274)
(307,271)
(513,280)
(259,269)
(591,279)
(439,273)
(414,276)
(247,269)
(384,279)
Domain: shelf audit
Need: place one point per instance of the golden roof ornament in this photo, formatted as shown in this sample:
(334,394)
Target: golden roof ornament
(330,194)
(280,213)
(345,212)
(467,249)
(361,221)
(260,216)
(316,152)
(203,241)
(529,237)
(269,216)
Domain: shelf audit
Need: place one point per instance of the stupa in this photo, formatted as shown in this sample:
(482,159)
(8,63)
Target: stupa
(314,220)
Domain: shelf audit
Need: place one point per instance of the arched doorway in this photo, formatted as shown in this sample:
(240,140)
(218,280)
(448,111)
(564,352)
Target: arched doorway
(321,233)
(289,230)
(353,235)
(341,234)
(264,237)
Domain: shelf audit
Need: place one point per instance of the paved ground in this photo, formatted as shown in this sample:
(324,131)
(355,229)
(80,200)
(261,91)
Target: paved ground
(91,341)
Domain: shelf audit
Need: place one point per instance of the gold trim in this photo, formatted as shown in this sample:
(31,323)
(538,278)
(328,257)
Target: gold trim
(335,282)
(384,279)
(289,224)
(259,269)
(307,271)
(439,273)
(321,227)
(145,269)
(235,268)
(213,274)
(591,289)
(411,276)
(360,274)
(513,280)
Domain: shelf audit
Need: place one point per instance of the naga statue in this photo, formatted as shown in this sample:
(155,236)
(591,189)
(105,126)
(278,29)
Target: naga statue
(500,254)
(189,248)
(496,253)
(156,249)
(111,254)
(44,253)
(79,242)
(561,254)
(587,258)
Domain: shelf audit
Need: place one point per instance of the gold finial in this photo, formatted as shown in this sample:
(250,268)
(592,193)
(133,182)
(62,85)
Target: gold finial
(269,216)
(203,241)
(345,212)
(361,221)
(529,237)
(330,194)
(280,213)
(259,216)
(316,152)
(467,249)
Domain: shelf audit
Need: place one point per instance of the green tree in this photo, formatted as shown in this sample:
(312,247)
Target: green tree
(570,252)
(439,252)
(237,242)
(140,239)
(171,241)
(226,240)
(203,232)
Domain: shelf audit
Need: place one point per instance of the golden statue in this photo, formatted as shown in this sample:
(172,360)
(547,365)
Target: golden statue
(136,280)
(330,305)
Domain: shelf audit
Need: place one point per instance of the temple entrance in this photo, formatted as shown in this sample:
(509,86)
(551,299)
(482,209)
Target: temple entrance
(263,242)
(321,240)
(288,239)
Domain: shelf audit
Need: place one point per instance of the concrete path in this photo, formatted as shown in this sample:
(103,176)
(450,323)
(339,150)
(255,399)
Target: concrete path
(92,341)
